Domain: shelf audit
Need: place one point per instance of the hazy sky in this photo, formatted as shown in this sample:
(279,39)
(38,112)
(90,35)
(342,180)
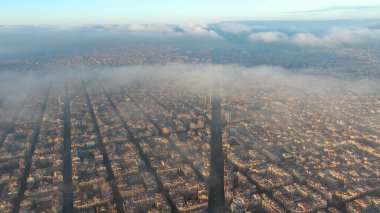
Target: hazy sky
(179,11)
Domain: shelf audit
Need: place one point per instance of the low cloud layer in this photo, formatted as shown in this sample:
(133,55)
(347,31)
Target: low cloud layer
(15,86)
(268,37)
(302,33)
(334,37)
(197,77)
(200,30)
(186,29)
(142,28)
(233,27)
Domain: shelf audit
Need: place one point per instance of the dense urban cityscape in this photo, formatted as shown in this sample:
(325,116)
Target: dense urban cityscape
(99,142)
(213,106)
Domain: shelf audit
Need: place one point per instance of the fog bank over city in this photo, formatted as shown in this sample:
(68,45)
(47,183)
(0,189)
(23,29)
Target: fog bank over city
(282,83)
(123,115)
(199,76)
(280,128)
(213,106)
(273,77)
(339,48)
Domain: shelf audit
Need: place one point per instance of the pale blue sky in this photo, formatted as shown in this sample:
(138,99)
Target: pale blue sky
(73,12)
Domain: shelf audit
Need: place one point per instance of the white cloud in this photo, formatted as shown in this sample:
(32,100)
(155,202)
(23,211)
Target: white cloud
(268,37)
(334,37)
(142,28)
(200,30)
(307,39)
(235,27)
(337,36)
(280,80)
(189,29)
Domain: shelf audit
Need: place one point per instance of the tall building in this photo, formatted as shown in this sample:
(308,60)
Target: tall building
(216,200)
